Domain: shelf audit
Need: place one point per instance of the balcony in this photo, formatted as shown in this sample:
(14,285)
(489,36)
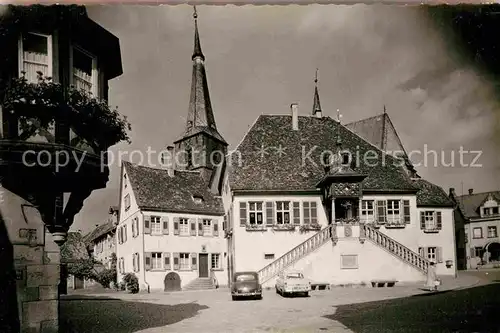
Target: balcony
(58,130)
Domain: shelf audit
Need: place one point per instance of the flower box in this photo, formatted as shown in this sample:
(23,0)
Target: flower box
(256,227)
(310,227)
(284,227)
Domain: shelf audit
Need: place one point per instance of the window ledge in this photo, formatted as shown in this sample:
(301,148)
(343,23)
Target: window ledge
(157,270)
(217,269)
(395,226)
(427,231)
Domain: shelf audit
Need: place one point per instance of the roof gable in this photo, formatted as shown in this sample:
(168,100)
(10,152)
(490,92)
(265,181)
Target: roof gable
(154,189)
(470,203)
(275,157)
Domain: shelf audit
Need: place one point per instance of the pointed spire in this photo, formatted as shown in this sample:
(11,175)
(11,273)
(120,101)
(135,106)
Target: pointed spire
(197,45)
(316,104)
(383,142)
(200,115)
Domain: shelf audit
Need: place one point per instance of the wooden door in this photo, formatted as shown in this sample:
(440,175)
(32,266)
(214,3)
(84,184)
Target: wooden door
(203,264)
(172,282)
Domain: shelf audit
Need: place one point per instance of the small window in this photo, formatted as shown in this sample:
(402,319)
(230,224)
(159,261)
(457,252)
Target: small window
(215,261)
(207,227)
(84,71)
(492,232)
(184,261)
(255,213)
(183,227)
(198,199)
(494,210)
(269,256)
(156,227)
(283,212)
(35,55)
(477,233)
(346,158)
(156,262)
(127,202)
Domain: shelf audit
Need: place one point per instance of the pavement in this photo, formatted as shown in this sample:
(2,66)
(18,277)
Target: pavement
(214,311)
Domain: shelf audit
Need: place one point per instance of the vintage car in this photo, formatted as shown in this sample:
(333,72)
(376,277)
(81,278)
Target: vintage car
(292,283)
(246,284)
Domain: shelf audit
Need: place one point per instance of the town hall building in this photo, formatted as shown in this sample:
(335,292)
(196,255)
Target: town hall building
(340,202)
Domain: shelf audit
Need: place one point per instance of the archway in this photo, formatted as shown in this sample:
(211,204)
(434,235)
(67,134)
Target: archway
(172,282)
(494,249)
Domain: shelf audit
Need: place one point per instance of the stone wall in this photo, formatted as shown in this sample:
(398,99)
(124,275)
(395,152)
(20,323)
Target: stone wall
(36,262)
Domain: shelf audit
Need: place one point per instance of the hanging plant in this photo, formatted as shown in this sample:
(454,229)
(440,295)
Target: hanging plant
(39,105)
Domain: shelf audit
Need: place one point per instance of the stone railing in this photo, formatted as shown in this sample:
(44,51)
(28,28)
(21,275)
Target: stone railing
(298,252)
(395,248)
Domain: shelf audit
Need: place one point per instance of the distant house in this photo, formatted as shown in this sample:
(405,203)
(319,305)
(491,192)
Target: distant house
(101,242)
(478,217)
(73,251)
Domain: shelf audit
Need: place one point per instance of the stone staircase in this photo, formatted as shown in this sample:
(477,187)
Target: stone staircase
(330,233)
(200,284)
(297,253)
(397,249)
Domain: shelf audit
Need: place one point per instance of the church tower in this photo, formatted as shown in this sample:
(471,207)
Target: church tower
(201,147)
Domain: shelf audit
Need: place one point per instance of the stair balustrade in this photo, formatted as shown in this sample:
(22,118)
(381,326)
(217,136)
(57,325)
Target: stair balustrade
(395,248)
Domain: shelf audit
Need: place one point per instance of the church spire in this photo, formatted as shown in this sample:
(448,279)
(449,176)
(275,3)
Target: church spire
(200,115)
(197,45)
(316,104)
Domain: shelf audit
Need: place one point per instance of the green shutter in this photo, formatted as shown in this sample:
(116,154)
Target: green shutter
(216,227)
(269,212)
(176,225)
(166,258)
(406,211)
(165,225)
(296,212)
(147,260)
(194,262)
(176,261)
(243,213)
(200,227)
(147,224)
(381,211)
(192,223)
(422,220)
(439,222)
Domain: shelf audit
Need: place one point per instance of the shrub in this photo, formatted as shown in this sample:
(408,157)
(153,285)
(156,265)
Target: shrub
(132,282)
(106,277)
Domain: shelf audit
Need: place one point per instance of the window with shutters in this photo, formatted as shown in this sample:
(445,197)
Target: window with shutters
(309,208)
(393,211)
(156,262)
(477,233)
(207,227)
(126,202)
(184,263)
(492,232)
(215,261)
(367,211)
(156,227)
(255,213)
(430,220)
(432,254)
(282,212)
(184,227)
(35,55)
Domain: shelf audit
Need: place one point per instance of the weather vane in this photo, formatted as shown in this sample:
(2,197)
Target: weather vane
(316,77)
(195,14)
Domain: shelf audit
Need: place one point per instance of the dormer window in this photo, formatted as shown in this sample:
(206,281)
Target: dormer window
(198,199)
(84,71)
(35,55)
(345,158)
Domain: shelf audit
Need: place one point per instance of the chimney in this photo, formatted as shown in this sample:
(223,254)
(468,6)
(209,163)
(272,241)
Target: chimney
(170,161)
(471,190)
(295,116)
(452,192)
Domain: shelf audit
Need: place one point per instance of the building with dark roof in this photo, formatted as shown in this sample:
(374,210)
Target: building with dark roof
(170,231)
(342,203)
(101,241)
(477,217)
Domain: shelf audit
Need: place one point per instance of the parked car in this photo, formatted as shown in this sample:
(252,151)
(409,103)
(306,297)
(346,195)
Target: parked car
(246,284)
(292,283)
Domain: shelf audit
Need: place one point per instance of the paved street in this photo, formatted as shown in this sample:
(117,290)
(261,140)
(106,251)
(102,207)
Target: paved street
(324,311)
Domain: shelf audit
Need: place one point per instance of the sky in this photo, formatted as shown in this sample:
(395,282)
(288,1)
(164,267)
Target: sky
(260,59)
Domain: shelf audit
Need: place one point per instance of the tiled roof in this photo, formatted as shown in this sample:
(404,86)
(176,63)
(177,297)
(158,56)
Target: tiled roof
(154,189)
(288,172)
(268,171)
(470,203)
(431,195)
(99,231)
(74,248)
